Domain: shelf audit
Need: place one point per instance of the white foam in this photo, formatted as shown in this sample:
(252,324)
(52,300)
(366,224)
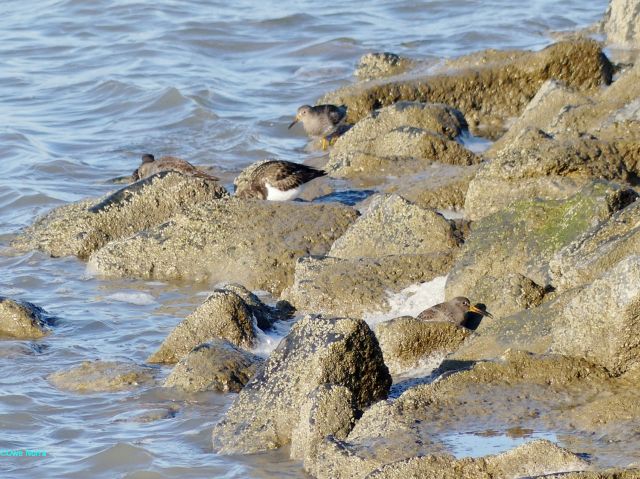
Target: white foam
(138,298)
(452,214)
(269,340)
(411,301)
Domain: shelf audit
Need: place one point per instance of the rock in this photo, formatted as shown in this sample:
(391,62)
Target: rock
(255,243)
(509,294)
(519,391)
(399,139)
(380,65)
(264,314)
(621,22)
(98,376)
(79,229)
(535,165)
(223,315)
(317,351)
(23,320)
(393,226)
(608,474)
(528,460)
(545,109)
(527,330)
(489,87)
(406,340)
(353,287)
(328,411)
(441,187)
(597,250)
(214,366)
(600,323)
(525,236)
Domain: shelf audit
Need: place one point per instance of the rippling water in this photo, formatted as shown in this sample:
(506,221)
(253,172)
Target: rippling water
(85,88)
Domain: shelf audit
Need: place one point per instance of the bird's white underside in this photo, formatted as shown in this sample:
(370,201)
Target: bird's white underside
(274,194)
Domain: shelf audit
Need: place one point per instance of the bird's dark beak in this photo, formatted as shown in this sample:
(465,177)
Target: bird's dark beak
(473,309)
(293,122)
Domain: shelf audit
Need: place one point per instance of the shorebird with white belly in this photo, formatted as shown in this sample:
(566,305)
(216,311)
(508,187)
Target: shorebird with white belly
(275,180)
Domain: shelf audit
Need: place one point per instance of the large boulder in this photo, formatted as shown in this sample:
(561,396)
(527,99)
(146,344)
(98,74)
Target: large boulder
(402,138)
(405,341)
(441,187)
(317,351)
(79,229)
(621,22)
(394,226)
(223,315)
(23,320)
(601,322)
(523,237)
(597,250)
(596,321)
(327,411)
(519,392)
(353,287)
(255,243)
(535,165)
(214,366)
(489,87)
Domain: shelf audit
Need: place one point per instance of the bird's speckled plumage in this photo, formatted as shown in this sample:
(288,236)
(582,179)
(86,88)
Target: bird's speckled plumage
(280,175)
(452,311)
(151,166)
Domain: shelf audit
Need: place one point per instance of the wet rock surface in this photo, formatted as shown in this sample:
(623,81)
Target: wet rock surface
(79,229)
(225,314)
(534,165)
(522,389)
(405,341)
(440,188)
(23,320)
(621,22)
(95,376)
(317,351)
(488,87)
(380,65)
(255,243)
(523,237)
(353,287)
(394,226)
(601,322)
(597,250)
(402,138)
(214,366)
(531,459)
(327,411)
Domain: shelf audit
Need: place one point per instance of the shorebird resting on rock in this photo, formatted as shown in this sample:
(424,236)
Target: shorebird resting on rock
(151,166)
(321,121)
(452,311)
(275,180)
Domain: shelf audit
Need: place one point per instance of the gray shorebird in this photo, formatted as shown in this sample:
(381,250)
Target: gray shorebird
(320,121)
(275,180)
(452,311)
(151,166)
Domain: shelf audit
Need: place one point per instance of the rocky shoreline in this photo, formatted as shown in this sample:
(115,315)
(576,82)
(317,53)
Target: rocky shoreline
(548,241)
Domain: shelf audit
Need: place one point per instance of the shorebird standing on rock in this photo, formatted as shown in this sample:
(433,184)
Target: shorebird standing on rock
(151,166)
(275,180)
(452,311)
(321,121)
